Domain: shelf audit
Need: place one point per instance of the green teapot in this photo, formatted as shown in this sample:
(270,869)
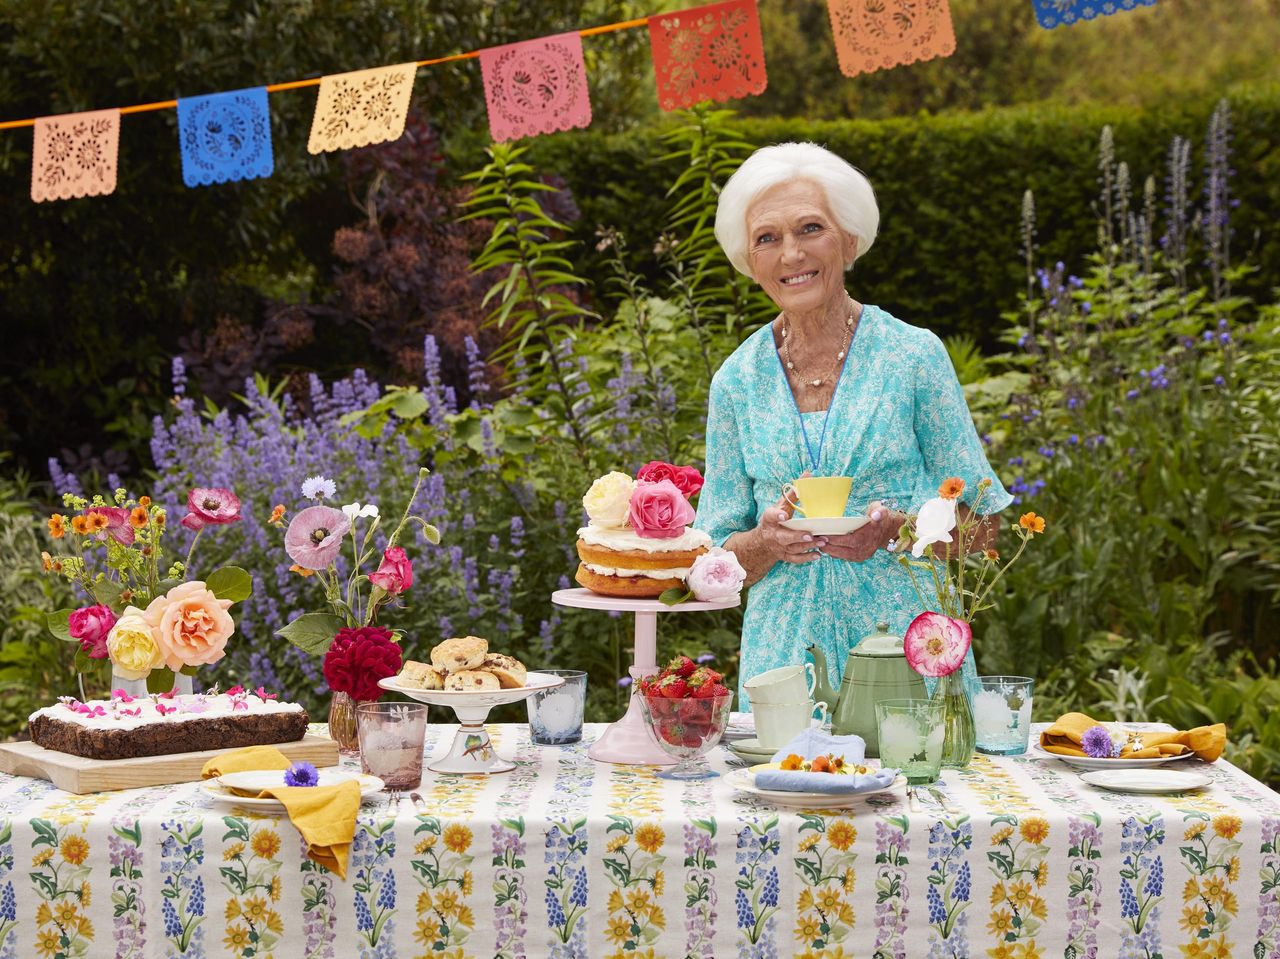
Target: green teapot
(876,669)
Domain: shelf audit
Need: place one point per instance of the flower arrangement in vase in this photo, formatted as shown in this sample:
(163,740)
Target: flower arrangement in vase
(357,651)
(146,622)
(937,640)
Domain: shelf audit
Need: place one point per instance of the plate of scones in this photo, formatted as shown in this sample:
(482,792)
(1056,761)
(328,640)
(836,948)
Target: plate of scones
(464,669)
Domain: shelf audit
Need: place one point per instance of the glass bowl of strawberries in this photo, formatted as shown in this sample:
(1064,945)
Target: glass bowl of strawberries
(687,708)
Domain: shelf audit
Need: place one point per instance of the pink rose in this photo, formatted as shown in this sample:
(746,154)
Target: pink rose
(686,478)
(659,510)
(395,574)
(716,576)
(191,625)
(91,625)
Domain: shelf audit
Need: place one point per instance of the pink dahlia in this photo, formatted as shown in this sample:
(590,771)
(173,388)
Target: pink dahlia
(211,507)
(314,537)
(935,644)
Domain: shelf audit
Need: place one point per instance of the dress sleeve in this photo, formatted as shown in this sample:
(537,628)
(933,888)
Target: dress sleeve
(726,504)
(948,440)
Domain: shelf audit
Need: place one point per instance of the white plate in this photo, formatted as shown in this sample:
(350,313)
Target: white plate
(216,790)
(1151,781)
(744,780)
(750,749)
(255,780)
(827,525)
(1088,762)
(475,697)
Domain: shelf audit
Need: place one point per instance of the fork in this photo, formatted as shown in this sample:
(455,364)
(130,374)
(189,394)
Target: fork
(913,800)
(393,801)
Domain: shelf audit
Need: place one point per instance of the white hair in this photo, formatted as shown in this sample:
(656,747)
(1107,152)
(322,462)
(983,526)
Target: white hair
(848,192)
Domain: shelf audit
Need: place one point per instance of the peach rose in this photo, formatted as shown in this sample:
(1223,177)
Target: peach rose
(191,625)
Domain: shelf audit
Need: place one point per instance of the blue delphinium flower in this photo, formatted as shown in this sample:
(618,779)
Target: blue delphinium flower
(1096,742)
(318,487)
(301,774)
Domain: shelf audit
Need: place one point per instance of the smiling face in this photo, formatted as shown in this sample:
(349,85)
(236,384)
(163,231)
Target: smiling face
(796,249)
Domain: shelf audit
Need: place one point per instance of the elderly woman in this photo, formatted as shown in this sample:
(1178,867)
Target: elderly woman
(832,387)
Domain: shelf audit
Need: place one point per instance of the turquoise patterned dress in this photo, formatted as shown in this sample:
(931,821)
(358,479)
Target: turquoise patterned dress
(898,424)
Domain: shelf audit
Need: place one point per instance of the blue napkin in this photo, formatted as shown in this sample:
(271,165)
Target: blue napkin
(813,742)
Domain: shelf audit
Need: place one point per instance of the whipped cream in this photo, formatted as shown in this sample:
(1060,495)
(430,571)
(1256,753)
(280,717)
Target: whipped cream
(676,572)
(626,538)
(118,714)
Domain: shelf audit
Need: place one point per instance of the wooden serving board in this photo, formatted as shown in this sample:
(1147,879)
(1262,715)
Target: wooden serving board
(76,774)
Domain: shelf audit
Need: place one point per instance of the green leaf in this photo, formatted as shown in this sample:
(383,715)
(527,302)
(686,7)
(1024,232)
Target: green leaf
(312,632)
(409,404)
(189,670)
(160,680)
(107,593)
(674,596)
(230,582)
(84,663)
(56,623)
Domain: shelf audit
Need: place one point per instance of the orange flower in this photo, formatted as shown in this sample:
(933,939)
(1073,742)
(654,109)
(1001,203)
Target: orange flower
(98,521)
(792,762)
(80,525)
(304,573)
(144,501)
(46,561)
(277,514)
(951,487)
(138,517)
(160,518)
(57,526)
(1032,522)
(74,850)
(992,555)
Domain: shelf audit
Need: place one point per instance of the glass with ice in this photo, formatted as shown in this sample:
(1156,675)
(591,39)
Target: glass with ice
(555,715)
(392,736)
(911,733)
(1002,714)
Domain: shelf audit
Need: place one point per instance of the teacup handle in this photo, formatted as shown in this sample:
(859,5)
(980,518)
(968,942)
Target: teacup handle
(795,504)
(820,706)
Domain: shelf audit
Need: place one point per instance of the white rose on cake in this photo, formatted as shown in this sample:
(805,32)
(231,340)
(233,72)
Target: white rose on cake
(608,500)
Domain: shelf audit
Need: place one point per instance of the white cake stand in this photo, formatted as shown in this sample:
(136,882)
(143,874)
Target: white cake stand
(472,751)
(629,740)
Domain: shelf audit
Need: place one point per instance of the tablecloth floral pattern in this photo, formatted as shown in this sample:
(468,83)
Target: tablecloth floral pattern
(567,858)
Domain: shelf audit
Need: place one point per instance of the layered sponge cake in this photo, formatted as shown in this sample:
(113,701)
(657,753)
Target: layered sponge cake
(619,562)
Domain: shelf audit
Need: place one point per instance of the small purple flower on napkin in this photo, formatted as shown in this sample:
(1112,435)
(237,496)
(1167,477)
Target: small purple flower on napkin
(1096,743)
(301,774)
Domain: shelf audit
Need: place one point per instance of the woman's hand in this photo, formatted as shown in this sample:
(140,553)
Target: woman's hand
(860,545)
(788,545)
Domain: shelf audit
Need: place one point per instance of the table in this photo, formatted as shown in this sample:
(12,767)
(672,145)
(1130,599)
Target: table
(564,857)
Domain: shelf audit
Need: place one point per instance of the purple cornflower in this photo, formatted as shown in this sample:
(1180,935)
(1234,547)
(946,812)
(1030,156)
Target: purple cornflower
(624,682)
(1096,743)
(705,658)
(301,774)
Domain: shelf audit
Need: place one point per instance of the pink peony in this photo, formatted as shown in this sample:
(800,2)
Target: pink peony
(117,527)
(935,644)
(716,576)
(211,507)
(395,574)
(314,537)
(191,625)
(659,510)
(91,625)
(686,478)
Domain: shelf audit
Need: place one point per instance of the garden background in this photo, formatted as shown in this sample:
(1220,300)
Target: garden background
(1083,214)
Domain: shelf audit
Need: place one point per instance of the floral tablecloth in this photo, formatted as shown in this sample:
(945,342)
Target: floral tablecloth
(565,857)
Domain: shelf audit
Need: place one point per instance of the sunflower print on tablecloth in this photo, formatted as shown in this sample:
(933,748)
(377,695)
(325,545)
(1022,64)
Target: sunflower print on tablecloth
(251,874)
(442,864)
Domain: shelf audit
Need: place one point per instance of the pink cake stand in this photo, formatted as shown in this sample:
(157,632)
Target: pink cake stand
(629,740)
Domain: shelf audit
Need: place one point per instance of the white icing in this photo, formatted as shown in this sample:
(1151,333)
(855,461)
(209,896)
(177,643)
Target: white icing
(676,572)
(621,539)
(219,705)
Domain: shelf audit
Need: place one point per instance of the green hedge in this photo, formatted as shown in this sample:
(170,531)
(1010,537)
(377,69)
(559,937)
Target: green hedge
(950,190)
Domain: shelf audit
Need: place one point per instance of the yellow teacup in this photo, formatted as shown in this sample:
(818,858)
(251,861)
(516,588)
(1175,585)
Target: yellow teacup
(822,496)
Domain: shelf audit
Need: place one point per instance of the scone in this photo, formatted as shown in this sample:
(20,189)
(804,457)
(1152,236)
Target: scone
(471,680)
(421,676)
(509,670)
(455,655)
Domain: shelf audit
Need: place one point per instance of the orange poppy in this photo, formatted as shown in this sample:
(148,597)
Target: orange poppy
(57,526)
(951,487)
(1032,522)
(80,524)
(144,501)
(138,517)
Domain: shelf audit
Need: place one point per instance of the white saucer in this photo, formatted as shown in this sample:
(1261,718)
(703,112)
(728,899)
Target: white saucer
(744,781)
(1149,781)
(1088,762)
(750,747)
(263,778)
(827,525)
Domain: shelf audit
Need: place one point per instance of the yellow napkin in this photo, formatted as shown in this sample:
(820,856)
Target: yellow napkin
(324,815)
(1207,742)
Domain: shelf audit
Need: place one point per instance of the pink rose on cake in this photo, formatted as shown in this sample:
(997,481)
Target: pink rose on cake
(91,625)
(132,645)
(716,576)
(686,478)
(191,625)
(659,510)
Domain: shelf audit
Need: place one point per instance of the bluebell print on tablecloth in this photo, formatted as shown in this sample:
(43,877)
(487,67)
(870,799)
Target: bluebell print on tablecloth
(1057,13)
(225,137)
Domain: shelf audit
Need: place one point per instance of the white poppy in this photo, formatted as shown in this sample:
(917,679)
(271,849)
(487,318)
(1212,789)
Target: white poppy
(934,524)
(354,511)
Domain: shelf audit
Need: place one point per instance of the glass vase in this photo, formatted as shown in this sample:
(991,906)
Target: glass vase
(342,724)
(960,736)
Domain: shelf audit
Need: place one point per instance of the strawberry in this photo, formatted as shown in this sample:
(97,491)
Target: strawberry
(674,688)
(683,665)
(706,690)
(718,690)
